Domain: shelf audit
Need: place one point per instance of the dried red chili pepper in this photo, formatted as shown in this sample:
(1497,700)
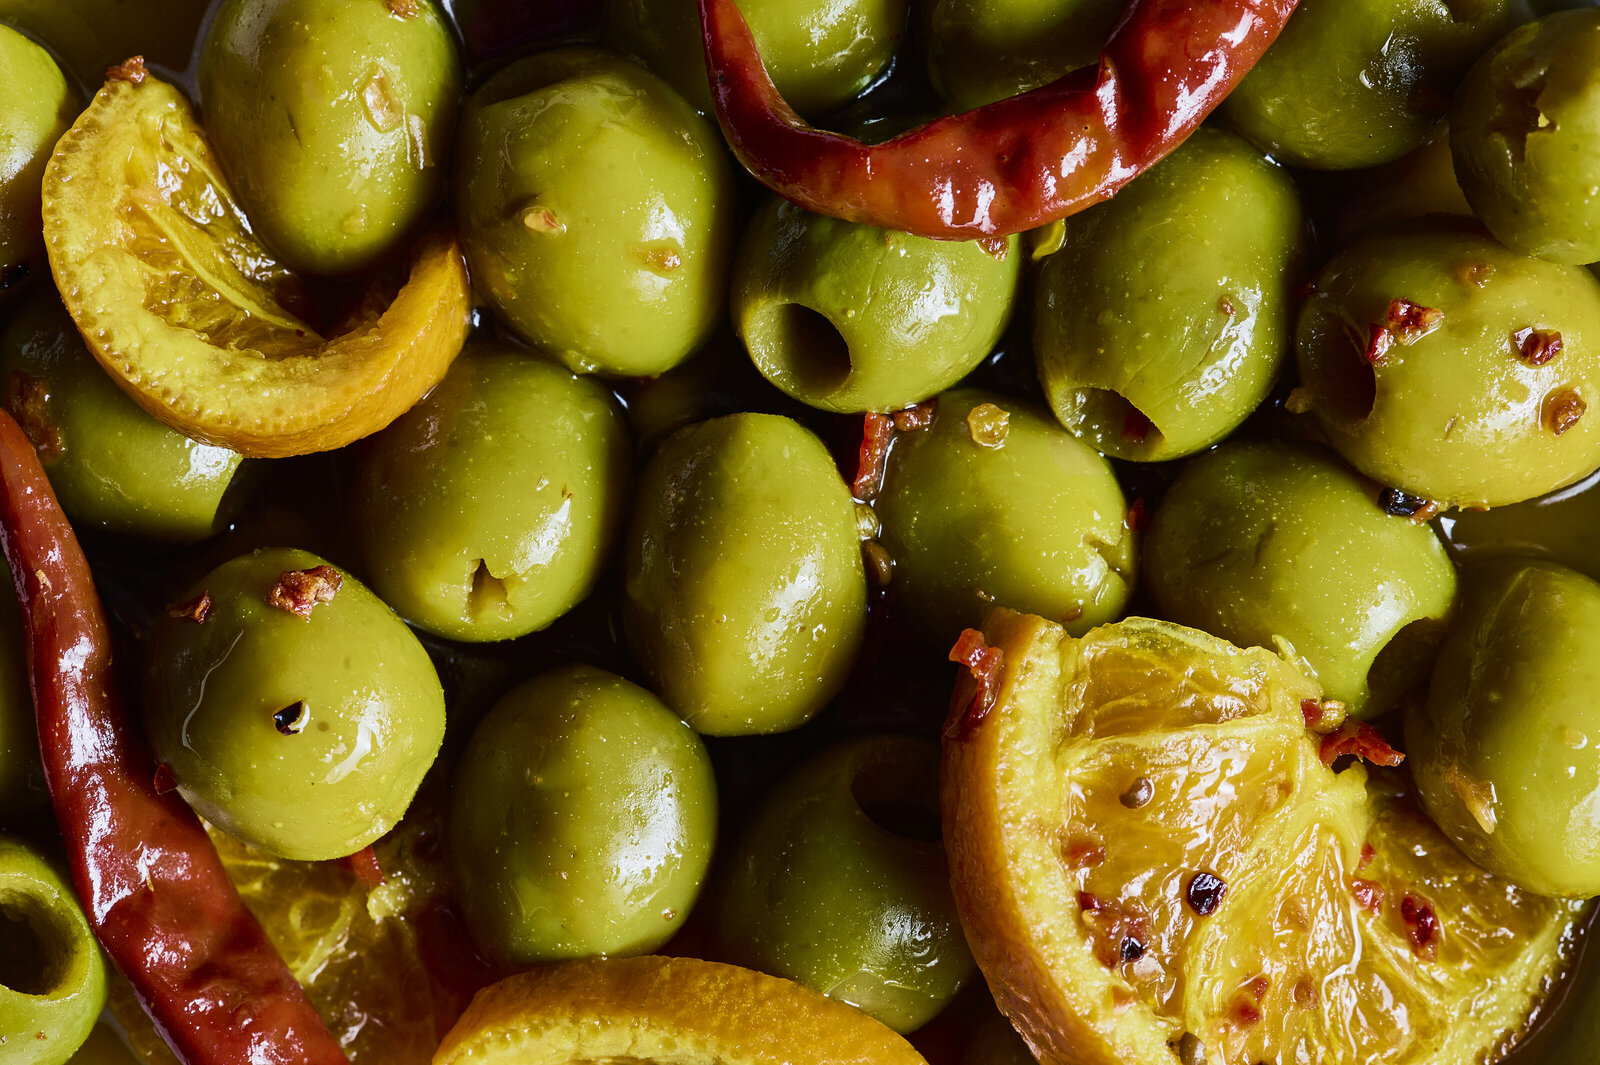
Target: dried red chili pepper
(1013,165)
(155,891)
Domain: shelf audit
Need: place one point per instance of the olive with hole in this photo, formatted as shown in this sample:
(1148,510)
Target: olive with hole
(839,882)
(994,504)
(1441,363)
(850,318)
(1165,316)
(980,51)
(291,707)
(22,790)
(597,211)
(1266,540)
(488,510)
(582,820)
(39,107)
(745,595)
(52,976)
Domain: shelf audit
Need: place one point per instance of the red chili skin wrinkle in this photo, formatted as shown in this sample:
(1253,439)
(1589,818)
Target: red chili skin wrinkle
(1009,166)
(155,891)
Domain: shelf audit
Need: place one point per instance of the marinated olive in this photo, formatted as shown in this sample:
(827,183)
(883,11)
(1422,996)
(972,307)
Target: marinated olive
(333,120)
(839,882)
(1505,753)
(980,51)
(1444,365)
(38,108)
(1358,82)
(582,820)
(850,318)
(597,211)
(290,706)
(52,977)
(1259,541)
(1525,133)
(745,592)
(1359,202)
(993,504)
(487,511)
(21,773)
(112,465)
(1150,347)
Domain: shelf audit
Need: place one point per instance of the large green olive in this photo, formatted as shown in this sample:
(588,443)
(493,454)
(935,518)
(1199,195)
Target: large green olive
(488,510)
(112,465)
(980,51)
(1440,363)
(21,773)
(746,596)
(597,210)
(292,708)
(333,120)
(1163,320)
(994,504)
(1354,83)
(839,882)
(1525,133)
(1506,753)
(1273,539)
(38,108)
(850,318)
(582,820)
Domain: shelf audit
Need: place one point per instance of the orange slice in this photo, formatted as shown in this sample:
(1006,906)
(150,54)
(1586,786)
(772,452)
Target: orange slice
(187,310)
(1154,865)
(664,1011)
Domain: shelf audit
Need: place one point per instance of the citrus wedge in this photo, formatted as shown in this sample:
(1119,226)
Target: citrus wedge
(1153,865)
(190,313)
(664,1011)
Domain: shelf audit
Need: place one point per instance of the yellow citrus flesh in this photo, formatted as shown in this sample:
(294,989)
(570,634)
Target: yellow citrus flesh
(664,1011)
(1113,770)
(189,312)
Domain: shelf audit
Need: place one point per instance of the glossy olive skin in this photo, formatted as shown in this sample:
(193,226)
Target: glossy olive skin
(52,976)
(1038,524)
(312,782)
(332,119)
(38,108)
(1525,133)
(112,465)
(22,791)
(851,318)
(1353,83)
(582,820)
(488,510)
(823,893)
(1256,541)
(980,51)
(1186,332)
(820,53)
(1459,415)
(745,593)
(1504,752)
(624,275)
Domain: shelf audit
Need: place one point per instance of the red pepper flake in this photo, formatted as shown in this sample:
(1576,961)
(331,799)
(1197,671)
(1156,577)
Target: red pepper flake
(1410,322)
(1311,710)
(1363,741)
(977,688)
(1245,1013)
(403,9)
(1225,305)
(1088,900)
(363,865)
(196,609)
(1083,852)
(28,401)
(299,591)
(1368,894)
(1135,427)
(1475,274)
(165,780)
(1379,340)
(1537,346)
(1368,855)
(131,69)
(914,418)
(995,248)
(1562,410)
(1305,993)
(1136,516)
(1258,988)
(1306,290)
(876,432)
(1422,925)
(1205,893)
(1119,932)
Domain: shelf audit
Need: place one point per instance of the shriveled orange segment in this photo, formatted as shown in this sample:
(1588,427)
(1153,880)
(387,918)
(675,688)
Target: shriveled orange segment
(190,312)
(664,1011)
(1153,864)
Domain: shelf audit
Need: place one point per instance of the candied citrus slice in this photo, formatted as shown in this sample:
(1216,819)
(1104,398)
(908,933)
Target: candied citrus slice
(664,1011)
(1153,865)
(190,313)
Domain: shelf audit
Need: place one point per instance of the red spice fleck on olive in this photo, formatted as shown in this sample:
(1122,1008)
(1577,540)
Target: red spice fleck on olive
(1379,341)
(1362,740)
(914,418)
(131,70)
(1409,322)
(1562,410)
(1136,520)
(1369,894)
(196,609)
(1422,925)
(300,591)
(1135,427)
(877,430)
(1537,346)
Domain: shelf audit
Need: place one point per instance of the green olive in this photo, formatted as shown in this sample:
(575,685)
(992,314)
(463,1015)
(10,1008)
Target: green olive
(1353,83)
(851,318)
(582,820)
(745,594)
(1525,133)
(994,504)
(1440,363)
(597,210)
(1387,196)
(39,106)
(1506,753)
(980,51)
(333,120)
(1268,540)
(839,882)
(488,510)
(292,708)
(1150,347)
(22,791)
(52,977)
(112,465)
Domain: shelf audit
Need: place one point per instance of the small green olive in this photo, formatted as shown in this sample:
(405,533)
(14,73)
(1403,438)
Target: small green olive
(980,51)
(38,108)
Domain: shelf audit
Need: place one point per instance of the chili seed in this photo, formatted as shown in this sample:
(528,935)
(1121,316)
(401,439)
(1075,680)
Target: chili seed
(1205,893)
(1139,794)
